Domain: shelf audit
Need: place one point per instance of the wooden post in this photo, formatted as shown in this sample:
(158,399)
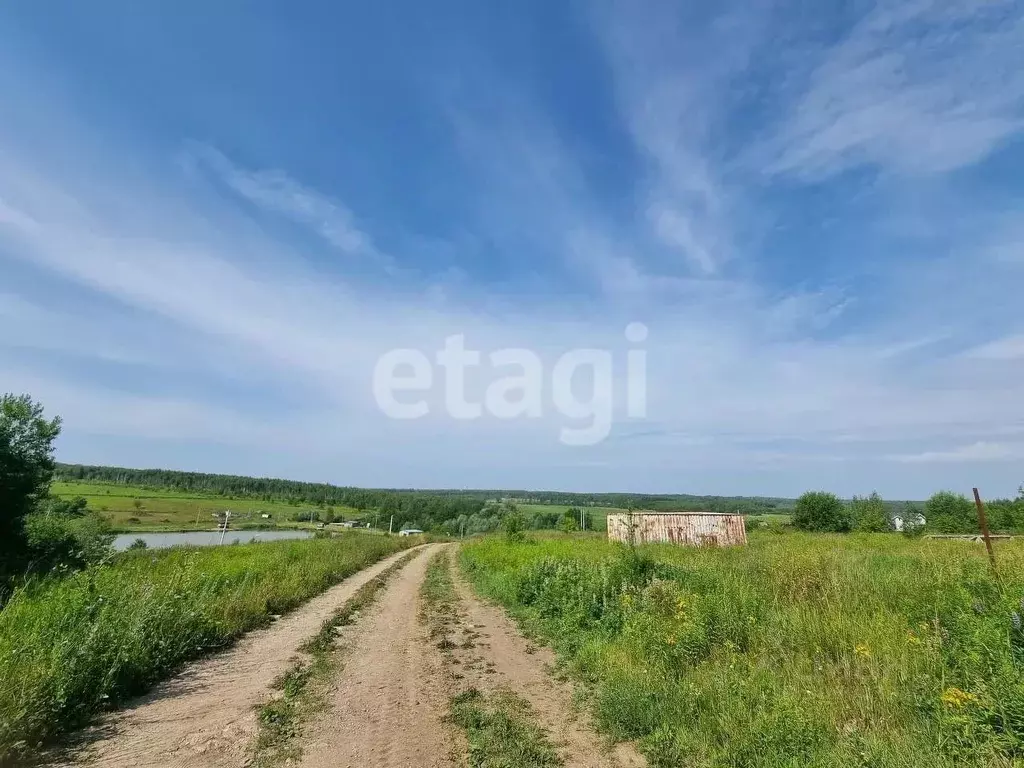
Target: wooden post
(983,523)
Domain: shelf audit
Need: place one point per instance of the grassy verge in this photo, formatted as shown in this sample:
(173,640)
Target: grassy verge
(501,730)
(796,650)
(499,725)
(303,688)
(439,599)
(71,648)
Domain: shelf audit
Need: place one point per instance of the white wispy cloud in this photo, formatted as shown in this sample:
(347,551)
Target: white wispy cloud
(917,87)
(670,68)
(276,191)
(975,452)
(1007,348)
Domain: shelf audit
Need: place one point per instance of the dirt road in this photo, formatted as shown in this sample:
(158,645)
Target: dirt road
(387,705)
(390,701)
(205,716)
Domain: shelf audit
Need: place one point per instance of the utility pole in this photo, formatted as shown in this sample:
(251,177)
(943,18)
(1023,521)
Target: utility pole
(224,525)
(983,523)
(391,525)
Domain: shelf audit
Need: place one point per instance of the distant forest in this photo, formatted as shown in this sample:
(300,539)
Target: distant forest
(451,510)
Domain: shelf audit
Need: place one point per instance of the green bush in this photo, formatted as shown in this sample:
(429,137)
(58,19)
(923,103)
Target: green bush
(821,511)
(58,542)
(870,515)
(949,512)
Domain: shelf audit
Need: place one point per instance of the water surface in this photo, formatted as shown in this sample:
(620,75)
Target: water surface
(204,538)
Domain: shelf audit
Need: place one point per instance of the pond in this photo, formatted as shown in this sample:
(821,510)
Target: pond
(204,538)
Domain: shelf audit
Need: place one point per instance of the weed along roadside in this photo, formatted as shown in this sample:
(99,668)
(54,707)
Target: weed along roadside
(74,647)
(800,649)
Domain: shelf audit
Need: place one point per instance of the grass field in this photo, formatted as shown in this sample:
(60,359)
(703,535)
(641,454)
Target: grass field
(74,646)
(797,650)
(131,508)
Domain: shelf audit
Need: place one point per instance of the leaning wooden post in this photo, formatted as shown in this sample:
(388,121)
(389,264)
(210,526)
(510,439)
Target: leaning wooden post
(983,522)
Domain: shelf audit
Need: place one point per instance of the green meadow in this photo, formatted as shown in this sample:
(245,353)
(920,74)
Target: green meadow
(137,508)
(797,650)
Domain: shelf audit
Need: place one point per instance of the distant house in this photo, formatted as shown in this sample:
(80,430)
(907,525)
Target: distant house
(410,532)
(916,520)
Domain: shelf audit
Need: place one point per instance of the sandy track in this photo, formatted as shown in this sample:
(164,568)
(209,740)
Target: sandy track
(389,701)
(500,657)
(204,717)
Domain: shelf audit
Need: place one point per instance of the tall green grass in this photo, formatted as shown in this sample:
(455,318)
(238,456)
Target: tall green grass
(797,650)
(73,647)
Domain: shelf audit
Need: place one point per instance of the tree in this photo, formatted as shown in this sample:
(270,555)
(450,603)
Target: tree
(569,522)
(949,512)
(26,468)
(869,514)
(821,511)
(512,524)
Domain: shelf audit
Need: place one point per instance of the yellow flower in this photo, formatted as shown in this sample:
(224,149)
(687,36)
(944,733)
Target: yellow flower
(913,639)
(954,697)
(671,640)
(862,650)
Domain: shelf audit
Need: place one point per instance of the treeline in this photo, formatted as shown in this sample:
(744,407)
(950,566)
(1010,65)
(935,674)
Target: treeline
(946,512)
(319,494)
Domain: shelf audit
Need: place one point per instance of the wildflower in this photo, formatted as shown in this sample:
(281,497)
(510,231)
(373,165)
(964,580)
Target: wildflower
(913,639)
(671,640)
(862,650)
(956,698)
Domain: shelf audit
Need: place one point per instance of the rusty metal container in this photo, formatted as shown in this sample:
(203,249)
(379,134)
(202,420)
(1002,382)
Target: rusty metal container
(694,529)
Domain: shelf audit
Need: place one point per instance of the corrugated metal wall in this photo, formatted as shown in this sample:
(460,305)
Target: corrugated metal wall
(696,529)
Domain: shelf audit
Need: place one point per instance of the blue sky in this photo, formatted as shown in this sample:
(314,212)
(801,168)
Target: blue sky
(215,218)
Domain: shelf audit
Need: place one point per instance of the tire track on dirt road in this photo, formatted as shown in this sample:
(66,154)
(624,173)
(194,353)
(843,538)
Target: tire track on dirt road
(205,716)
(492,654)
(390,701)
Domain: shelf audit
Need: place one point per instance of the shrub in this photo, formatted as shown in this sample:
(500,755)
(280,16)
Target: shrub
(821,511)
(949,512)
(60,542)
(514,527)
(869,514)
